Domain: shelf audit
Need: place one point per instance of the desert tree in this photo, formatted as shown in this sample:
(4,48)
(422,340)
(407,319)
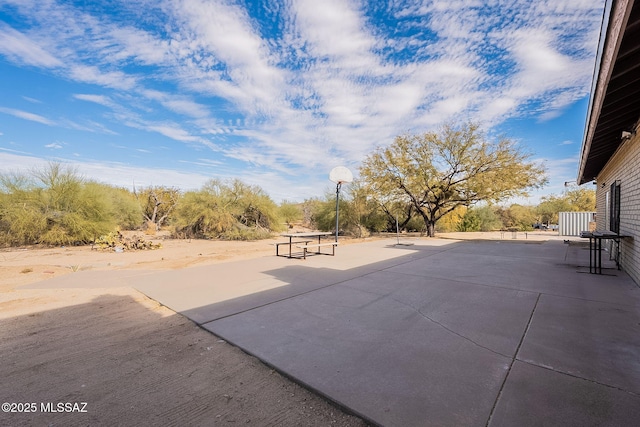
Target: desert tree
(436,172)
(157,203)
(575,200)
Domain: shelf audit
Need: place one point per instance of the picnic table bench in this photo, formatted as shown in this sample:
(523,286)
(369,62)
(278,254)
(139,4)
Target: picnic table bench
(317,245)
(289,244)
(304,241)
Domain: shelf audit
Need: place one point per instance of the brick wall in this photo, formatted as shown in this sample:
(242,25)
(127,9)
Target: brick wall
(624,167)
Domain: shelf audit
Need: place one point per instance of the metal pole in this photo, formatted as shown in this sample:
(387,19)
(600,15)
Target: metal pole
(337,208)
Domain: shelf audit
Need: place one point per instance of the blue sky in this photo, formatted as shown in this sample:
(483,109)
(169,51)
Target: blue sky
(277,93)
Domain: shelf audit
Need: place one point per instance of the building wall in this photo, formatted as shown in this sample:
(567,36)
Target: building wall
(624,167)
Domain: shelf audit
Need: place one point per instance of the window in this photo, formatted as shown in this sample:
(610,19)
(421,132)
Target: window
(607,213)
(614,207)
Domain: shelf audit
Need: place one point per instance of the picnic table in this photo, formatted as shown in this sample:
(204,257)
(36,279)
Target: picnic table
(305,241)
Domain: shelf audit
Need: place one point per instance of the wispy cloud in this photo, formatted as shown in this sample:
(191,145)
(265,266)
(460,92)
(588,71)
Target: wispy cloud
(110,79)
(32,100)
(25,50)
(98,99)
(178,104)
(27,116)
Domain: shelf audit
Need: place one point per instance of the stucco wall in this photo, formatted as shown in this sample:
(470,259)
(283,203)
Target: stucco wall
(624,167)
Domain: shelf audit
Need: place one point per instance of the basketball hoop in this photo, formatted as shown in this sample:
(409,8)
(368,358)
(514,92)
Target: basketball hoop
(340,175)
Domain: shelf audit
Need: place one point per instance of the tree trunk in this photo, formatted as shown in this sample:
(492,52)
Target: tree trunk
(431,228)
(428,222)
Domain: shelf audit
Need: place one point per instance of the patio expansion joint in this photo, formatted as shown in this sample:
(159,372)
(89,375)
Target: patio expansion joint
(513,360)
(548,368)
(277,301)
(515,288)
(425,316)
(309,291)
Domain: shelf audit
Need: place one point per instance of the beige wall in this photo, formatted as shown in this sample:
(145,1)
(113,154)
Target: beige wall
(624,167)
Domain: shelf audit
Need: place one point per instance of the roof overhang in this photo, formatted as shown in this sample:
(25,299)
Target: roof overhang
(614,107)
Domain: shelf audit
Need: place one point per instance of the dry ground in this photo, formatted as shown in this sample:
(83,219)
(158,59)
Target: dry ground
(132,361)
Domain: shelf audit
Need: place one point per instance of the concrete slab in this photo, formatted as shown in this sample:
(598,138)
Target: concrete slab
(591,340)
(380,357)
(465,309)
(212,292)
(529,267)
(534,396)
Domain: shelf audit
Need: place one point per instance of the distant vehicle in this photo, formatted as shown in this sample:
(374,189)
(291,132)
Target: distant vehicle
(539,226)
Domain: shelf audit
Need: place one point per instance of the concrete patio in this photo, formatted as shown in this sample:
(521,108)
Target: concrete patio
(440,333)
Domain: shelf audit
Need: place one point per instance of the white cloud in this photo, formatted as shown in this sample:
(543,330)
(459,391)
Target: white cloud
(178,104)
(98,99)
(218,33)
(55,145)
(22,49)
(172,131)
(27,116)
(32,100)
(110,79)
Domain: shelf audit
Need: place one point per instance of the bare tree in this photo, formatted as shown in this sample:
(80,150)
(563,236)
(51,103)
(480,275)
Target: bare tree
(157,203)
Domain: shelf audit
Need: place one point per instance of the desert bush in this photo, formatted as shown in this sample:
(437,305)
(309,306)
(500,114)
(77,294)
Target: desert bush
(253,207)
(124,206)
(517,216)
(241,232)
(290,212)
(226,210)
(350,221)
(203,214)
(483,218)
(52,206)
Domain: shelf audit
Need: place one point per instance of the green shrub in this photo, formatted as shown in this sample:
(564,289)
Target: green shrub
(123,204)
(230,211)
(52,206)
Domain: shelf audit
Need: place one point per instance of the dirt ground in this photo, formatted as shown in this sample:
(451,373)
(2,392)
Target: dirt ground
(116,357)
